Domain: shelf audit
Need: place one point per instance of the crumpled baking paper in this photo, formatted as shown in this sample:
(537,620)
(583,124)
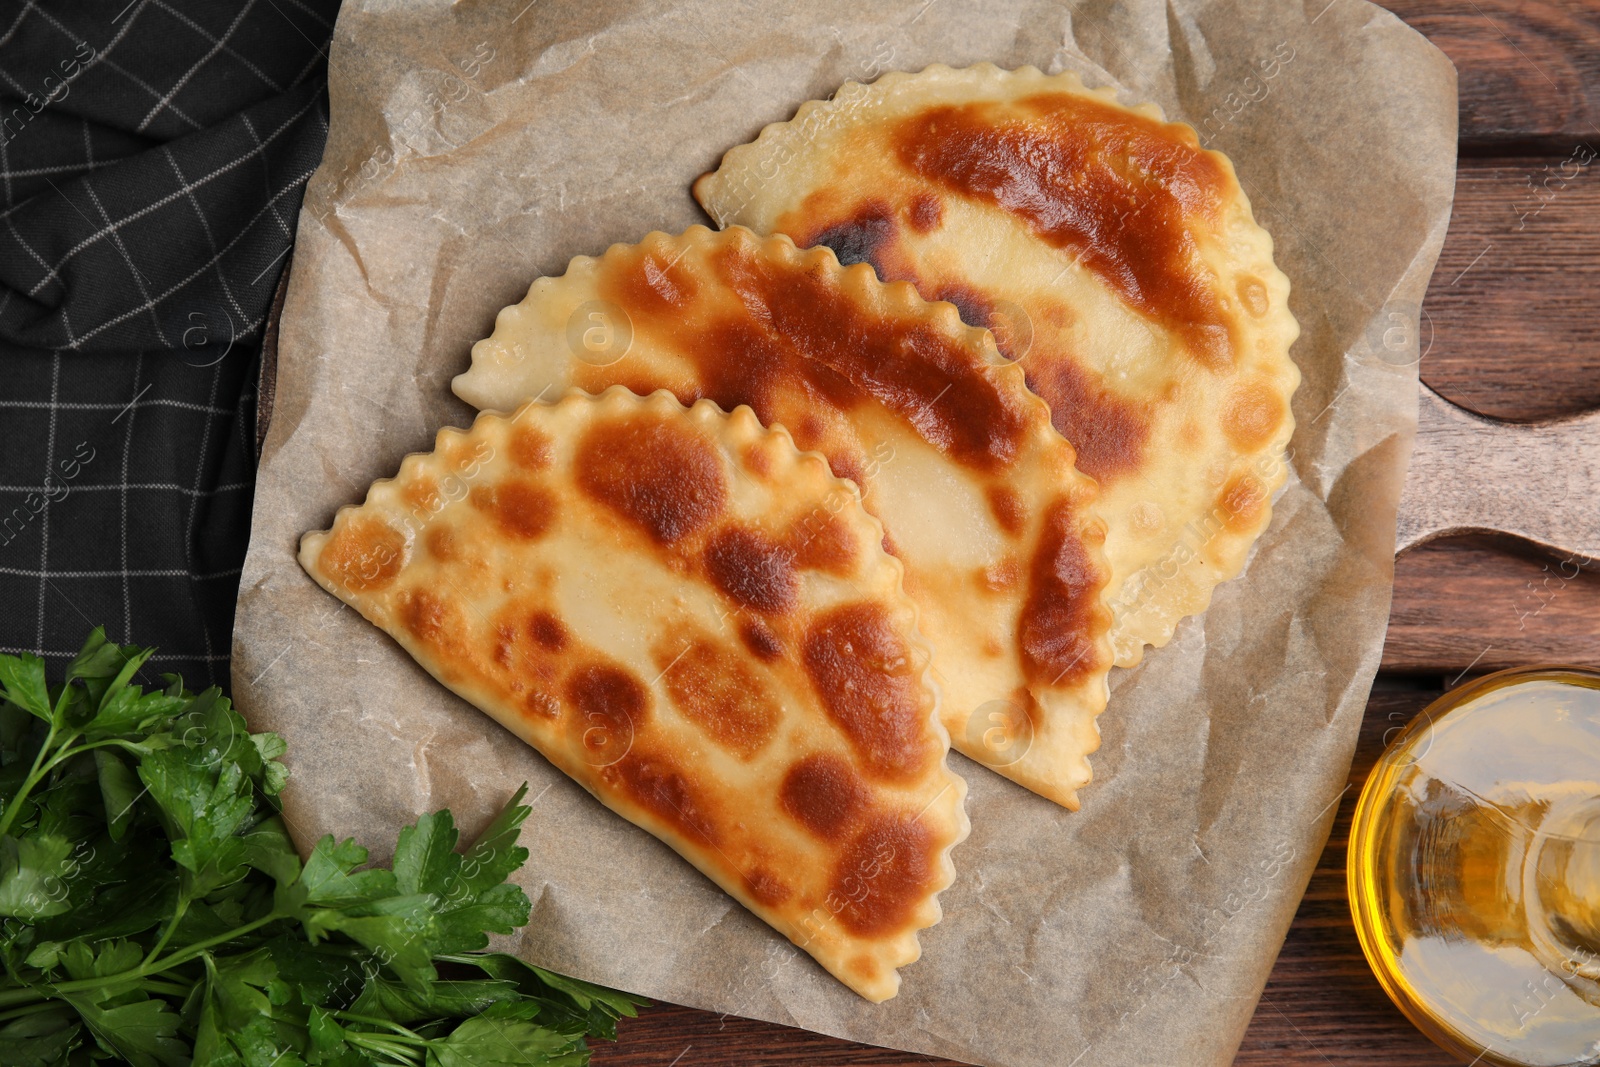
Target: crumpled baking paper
(476,146)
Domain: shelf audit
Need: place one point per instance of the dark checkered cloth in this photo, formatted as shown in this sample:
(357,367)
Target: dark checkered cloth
(153,156)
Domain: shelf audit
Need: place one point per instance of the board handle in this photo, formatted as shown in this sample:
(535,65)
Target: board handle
(1537,481)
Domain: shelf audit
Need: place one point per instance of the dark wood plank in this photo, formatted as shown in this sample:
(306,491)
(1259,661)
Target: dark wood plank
(672,1036)
(1529,69)
(1510,312)
(1474,604)
(1322,1005)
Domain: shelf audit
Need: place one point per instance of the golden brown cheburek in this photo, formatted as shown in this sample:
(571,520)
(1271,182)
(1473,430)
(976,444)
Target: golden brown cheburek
(641,593)
(977,492)
(1117,262)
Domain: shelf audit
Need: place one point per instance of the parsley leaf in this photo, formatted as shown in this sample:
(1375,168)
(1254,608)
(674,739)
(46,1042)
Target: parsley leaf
(23,679)
(153,910)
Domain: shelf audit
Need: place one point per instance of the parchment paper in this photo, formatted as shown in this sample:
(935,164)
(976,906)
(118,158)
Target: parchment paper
(475,146)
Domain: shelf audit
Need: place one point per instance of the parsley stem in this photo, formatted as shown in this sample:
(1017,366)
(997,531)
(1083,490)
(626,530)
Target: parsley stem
(120,742)
(189,952)
(172,924)
(36,774)
(397,1048)
(172,989)
(40,768)
(400,1044)
(144,970)
(372,1020)
(27,995)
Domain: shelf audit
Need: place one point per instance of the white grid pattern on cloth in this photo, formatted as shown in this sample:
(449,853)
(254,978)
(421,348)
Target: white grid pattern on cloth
(171,487)
(103,54)
(20,572)
(49,465)
(218,45)
(149,305)
(147,537)
(118,578)
(194,498)
(13,650)
(237,175)
(89,406)
(111,228)
(293,189)
(127,453)
(211,238)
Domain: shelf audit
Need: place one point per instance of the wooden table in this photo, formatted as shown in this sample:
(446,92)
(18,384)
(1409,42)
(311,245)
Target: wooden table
(1515,335)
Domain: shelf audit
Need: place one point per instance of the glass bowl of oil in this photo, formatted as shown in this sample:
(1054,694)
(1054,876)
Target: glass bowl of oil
(1474,869)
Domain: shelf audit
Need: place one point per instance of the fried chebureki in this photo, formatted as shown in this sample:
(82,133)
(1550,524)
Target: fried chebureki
(644,594)
(1118,263)
(976,490)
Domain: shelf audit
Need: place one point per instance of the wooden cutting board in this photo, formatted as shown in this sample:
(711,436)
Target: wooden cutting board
(1535,481)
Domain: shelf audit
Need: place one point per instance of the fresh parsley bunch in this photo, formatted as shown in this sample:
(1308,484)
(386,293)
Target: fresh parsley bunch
(153,910)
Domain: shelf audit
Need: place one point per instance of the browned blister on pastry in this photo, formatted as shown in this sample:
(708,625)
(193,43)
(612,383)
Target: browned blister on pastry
(636,590)
(976,490)
(1117,262)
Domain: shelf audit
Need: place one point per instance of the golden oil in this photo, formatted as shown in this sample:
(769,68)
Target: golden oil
(1474,869)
